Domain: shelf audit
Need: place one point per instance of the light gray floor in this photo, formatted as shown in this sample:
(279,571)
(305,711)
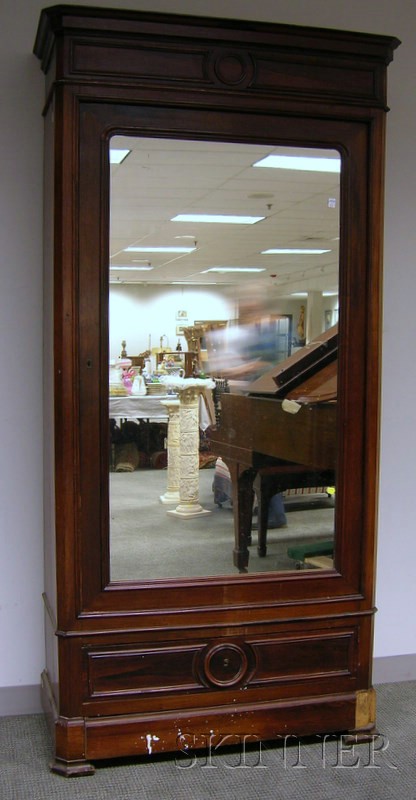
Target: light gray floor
(384,769)
(148,543)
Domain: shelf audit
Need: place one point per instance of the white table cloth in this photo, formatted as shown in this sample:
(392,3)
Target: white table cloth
(145,407)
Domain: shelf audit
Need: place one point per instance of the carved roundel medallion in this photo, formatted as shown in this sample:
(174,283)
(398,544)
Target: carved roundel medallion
(226,664)
(232,68)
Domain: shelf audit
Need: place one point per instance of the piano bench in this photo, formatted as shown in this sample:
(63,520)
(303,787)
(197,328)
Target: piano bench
(301,552)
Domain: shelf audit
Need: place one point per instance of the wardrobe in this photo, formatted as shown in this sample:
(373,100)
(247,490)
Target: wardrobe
(142,667)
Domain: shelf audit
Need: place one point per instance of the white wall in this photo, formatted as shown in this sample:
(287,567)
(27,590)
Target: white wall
(20,314)
(141,315)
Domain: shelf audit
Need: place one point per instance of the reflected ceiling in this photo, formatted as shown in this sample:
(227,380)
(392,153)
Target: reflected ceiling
(160,179)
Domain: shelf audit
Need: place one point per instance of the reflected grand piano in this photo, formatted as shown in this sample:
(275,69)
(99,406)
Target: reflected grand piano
(281,435)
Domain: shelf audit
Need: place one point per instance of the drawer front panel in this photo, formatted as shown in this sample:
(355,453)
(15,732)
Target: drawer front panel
(221,664)
(142,670)
(307,657)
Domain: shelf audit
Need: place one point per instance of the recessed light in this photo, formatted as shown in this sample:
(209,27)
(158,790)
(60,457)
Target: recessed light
(303,163)
(261,196)
(133,269)
(233,269)
(159,249)
(227,219)
(117,156)
(293,251)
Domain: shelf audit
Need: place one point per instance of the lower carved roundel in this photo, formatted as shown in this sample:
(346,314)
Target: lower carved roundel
(226,664)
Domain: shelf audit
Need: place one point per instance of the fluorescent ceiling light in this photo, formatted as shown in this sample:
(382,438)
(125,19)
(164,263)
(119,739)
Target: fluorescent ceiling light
(233,269)
(329,294)
(306,163)
(117,156)
(159,249)
(293,251)
(134,269)
(299,294)
(228,219)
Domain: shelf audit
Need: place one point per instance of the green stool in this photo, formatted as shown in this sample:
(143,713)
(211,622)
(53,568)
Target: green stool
(301,552)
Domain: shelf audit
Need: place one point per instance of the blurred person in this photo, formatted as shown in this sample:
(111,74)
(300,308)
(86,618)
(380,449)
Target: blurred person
(244,351)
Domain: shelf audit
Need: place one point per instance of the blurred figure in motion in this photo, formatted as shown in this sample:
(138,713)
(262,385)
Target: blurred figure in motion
(244,351)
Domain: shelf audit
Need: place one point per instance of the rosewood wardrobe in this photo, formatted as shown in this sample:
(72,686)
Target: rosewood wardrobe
(159,665)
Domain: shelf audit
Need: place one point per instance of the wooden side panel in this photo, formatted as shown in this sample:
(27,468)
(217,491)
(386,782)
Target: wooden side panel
(50,589)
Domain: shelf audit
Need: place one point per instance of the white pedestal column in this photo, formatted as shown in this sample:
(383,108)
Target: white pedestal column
(173,438)
(189,390)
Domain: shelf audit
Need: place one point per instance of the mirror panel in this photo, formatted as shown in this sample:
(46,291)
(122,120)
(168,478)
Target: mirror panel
(200,314)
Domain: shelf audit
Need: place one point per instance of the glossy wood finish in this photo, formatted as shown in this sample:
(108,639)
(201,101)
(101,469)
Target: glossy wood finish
(167,665)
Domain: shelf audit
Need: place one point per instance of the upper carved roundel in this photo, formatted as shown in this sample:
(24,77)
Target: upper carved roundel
(232,68)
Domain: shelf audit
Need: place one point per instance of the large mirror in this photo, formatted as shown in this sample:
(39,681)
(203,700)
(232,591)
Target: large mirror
(224,273)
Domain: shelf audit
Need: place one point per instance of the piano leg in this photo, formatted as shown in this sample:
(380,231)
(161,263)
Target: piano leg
(243,493)
(264,489)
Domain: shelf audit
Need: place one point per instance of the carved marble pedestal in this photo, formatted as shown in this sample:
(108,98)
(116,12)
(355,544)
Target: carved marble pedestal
(189,391)
(173,439)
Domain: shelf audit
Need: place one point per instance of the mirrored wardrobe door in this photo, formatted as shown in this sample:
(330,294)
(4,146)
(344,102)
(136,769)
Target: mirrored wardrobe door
(250,232)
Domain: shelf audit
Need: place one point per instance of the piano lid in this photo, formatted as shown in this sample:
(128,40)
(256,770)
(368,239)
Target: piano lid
(309,375)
